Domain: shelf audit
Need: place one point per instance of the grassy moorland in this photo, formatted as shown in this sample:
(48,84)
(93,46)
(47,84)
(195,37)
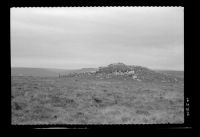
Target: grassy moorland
(72,100)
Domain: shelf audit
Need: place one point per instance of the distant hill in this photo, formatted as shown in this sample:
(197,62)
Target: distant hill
(114,70)
(175,73)
(85,70)
(122,71)
(45,72)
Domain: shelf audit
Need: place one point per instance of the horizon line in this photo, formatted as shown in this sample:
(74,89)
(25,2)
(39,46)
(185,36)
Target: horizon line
(156,69)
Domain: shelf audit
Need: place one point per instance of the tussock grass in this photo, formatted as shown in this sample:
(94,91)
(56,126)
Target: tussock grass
(37,100)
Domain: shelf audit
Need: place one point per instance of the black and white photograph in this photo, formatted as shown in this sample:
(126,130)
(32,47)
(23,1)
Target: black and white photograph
(97,65)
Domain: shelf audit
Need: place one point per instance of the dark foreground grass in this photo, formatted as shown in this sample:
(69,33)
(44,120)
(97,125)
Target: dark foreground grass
(37,100)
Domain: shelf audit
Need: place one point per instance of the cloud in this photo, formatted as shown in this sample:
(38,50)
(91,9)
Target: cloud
(82,37)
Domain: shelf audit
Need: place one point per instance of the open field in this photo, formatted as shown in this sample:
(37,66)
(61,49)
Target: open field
(53,100)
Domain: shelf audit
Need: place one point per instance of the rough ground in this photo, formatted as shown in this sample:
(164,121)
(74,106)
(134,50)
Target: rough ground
(45,100)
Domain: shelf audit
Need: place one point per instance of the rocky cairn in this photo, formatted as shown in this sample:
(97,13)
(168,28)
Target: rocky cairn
(125,72)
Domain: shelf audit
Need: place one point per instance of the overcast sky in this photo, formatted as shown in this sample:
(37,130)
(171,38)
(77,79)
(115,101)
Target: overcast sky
(79,37)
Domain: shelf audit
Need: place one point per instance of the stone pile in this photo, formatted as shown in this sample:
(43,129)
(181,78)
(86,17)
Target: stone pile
(125,72)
